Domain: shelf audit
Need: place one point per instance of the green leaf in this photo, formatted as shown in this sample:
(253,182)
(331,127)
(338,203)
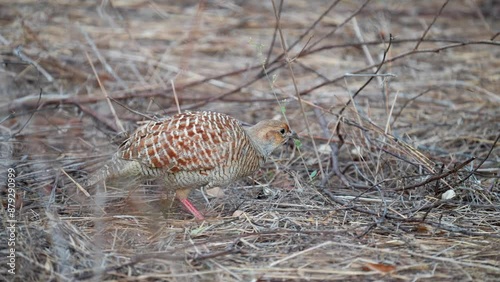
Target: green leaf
(198,231)
(297,143)
(283,109)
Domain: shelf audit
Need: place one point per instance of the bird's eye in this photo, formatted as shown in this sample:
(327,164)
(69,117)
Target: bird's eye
(282,131)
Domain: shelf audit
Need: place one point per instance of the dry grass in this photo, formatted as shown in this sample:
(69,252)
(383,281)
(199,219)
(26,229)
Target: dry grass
(359,199)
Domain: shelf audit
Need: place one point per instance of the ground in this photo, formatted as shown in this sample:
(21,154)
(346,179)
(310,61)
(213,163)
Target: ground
(394,176)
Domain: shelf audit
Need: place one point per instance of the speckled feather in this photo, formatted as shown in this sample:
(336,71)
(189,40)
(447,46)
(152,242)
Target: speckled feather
(185,142)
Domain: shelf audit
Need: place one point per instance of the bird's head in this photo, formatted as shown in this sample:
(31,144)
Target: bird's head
(268,135)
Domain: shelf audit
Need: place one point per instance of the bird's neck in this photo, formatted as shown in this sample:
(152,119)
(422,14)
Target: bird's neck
(254,135)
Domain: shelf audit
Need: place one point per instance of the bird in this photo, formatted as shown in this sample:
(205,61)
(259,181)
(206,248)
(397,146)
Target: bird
(194,149)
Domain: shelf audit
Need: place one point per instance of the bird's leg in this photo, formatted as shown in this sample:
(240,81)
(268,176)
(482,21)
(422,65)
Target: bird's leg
(182,195)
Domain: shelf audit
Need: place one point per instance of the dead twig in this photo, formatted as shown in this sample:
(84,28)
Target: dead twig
(334,154)
(431,24)
(436,177)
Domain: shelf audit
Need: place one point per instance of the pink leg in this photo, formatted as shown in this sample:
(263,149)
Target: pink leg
(192,209)
(182,195)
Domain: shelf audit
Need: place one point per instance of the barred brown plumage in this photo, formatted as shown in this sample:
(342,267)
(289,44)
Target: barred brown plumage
(195,149)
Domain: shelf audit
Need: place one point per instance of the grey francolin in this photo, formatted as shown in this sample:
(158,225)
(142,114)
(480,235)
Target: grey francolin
(194,149)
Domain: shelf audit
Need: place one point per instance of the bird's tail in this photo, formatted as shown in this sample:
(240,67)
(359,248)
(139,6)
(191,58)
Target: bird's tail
(112,169)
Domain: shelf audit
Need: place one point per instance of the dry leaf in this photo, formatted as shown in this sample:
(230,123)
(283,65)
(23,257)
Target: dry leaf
(380,267)
(215,192)
(423,228)
(450,194)
(324,149)
(238,213)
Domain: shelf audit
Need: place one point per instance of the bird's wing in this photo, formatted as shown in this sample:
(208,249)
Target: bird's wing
(183,143)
